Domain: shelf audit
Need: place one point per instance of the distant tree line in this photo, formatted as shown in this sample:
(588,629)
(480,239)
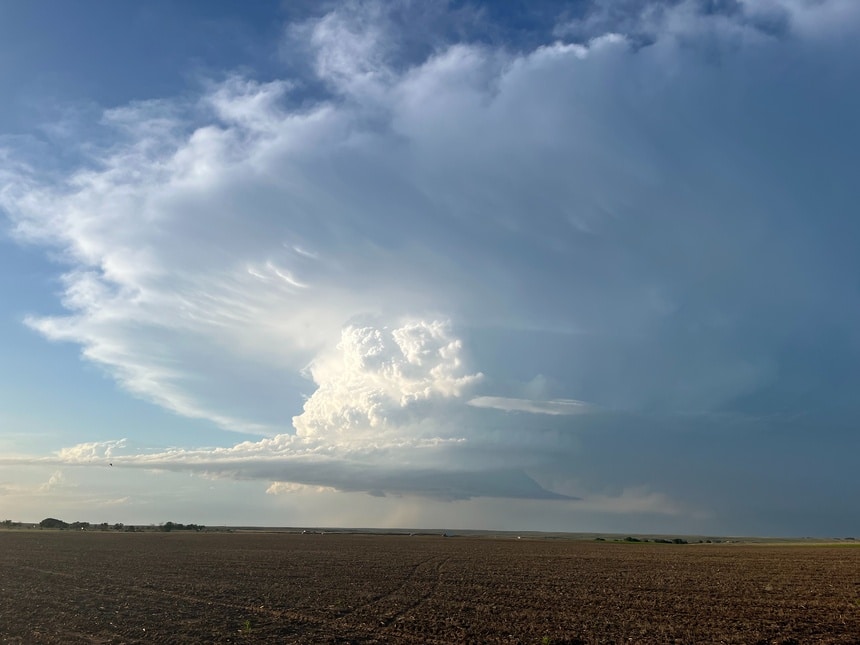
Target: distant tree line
(174,526)
(657,540)
(54,523)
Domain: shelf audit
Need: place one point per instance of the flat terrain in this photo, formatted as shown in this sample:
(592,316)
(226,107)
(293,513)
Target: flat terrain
(92,587)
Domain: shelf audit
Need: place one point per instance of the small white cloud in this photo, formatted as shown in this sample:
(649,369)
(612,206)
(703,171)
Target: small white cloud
(286,488)
(93,451)
(349,47)
(56,480)
(252,106)
(304,252)
(112,501)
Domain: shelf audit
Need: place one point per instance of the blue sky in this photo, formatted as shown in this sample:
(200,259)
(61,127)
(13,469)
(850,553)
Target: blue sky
(553,266)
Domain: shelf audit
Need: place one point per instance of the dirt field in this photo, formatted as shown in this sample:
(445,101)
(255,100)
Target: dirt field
(68,587)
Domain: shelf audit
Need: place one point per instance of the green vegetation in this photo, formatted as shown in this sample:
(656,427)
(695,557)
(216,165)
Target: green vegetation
(175,526)
(54,523)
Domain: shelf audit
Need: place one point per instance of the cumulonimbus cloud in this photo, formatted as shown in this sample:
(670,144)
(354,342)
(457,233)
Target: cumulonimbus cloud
(221,255)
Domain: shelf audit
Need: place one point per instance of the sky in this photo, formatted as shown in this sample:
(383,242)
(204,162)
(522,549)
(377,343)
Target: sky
(586,266)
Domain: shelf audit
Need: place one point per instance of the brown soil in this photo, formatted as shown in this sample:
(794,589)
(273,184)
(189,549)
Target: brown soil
(65,587)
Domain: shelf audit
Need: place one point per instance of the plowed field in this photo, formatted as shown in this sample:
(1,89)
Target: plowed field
(91,587)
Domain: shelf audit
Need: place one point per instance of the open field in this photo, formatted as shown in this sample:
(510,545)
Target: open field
(92,587)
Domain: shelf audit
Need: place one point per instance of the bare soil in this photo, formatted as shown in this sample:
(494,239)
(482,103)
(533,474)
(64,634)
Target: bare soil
(92,587)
